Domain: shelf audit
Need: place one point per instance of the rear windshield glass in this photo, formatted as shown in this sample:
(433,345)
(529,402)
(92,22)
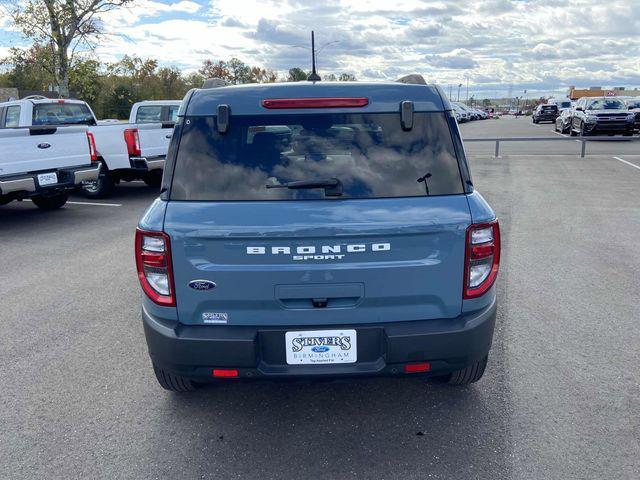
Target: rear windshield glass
(369,154)
(550,108)
(62,114)
(149,114)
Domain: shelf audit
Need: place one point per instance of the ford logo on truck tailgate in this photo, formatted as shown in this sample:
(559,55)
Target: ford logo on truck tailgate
(44,145)
(202,284)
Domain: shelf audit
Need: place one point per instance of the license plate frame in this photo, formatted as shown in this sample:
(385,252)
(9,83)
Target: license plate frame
(321,347)
(46,179)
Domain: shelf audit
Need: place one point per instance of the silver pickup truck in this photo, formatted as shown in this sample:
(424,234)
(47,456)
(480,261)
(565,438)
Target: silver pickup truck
(45,163)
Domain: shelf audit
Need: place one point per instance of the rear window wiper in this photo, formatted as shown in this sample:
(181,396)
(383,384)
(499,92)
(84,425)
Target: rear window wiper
(332,186)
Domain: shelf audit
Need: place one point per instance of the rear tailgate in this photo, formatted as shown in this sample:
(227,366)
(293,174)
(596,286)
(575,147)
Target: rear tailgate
(33,149)
(319,263)
(154,139)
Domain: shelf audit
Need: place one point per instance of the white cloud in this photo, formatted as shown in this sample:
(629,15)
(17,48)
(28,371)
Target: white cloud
(537,44)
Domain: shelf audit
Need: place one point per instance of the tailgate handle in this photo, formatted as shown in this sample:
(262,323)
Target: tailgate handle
(319,295)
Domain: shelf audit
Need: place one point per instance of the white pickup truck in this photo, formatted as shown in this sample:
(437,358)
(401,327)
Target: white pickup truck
(127,151)
(44,163)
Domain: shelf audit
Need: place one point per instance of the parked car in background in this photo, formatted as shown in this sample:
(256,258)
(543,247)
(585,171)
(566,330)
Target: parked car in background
(269,257)
(545,113)
(43,163)
(633,105)
(603,116)
(462,116)
(126,151)
(563,121)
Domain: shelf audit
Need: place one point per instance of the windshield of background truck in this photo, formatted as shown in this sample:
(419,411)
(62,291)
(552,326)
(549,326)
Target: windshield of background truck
(606,104)
(371,155)
(62,114)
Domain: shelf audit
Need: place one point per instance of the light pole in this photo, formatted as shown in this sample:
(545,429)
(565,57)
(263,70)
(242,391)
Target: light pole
(459,86)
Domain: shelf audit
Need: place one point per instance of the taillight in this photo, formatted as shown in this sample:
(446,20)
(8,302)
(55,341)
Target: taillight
(132,140)
(92,147)
(482,258)
(326,102)
(153,260)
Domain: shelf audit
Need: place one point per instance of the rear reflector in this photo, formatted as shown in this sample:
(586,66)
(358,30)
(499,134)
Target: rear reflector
(417,367)
(225,372)
(283,103)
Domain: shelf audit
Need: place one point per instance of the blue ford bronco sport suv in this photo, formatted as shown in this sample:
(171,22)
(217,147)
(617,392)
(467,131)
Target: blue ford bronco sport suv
(317,230)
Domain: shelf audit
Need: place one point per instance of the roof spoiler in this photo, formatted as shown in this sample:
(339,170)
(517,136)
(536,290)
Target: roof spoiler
(412,79)
(215,83)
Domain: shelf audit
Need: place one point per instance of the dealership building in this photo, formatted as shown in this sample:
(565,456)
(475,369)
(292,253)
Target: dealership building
(576,93)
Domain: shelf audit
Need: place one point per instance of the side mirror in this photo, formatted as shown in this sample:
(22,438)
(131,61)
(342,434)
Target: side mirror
(580,109)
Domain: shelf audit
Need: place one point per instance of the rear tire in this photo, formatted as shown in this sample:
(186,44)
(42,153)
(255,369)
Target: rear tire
(469,374)
(52,202)
(153,178)
(173,383)
(100,188)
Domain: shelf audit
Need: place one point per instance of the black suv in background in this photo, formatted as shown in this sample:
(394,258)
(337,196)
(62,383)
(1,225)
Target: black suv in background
(633,104)
(603,116)
(545,113)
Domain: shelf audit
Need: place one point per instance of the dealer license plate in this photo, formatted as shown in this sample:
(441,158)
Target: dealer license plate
(317,347)
(47,179)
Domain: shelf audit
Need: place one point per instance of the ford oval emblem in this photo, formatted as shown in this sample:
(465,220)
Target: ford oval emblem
(202,284)
(320,349)
(44,145)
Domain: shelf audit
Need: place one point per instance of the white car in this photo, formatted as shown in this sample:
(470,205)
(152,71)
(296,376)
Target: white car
(127,151)
(43,163)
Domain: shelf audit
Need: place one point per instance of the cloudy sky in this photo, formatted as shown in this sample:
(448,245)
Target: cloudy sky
(538,45)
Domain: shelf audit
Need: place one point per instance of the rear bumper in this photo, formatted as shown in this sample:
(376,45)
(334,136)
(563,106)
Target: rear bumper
(147,164)
(259,352)
(68,178)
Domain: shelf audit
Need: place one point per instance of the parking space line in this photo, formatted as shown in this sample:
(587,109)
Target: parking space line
(628,163)
(89,203)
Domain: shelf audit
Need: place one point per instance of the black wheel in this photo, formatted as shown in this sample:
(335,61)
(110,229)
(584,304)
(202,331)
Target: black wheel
(173,383)
(582,132)
(50,202)
(100,188)
(153,178)
(468,375)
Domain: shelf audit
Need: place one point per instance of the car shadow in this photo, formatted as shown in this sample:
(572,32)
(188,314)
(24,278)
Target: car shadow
(367,428)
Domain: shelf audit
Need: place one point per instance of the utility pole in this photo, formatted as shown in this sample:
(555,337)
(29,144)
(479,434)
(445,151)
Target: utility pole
(467,89)
(450,86)
(459,86)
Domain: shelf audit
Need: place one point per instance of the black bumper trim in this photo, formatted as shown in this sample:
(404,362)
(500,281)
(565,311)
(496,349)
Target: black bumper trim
(447,344)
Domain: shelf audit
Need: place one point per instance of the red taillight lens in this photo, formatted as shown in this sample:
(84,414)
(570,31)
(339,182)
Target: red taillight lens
(417,367)
(92,147)
(153,261)
(283,103)
(225,372)
(132,140)
(482,258)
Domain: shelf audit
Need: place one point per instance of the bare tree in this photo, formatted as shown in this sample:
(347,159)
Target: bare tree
(63,25)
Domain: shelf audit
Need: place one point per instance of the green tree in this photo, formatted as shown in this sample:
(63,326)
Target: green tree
(347,77)
(64,25)
(296,74)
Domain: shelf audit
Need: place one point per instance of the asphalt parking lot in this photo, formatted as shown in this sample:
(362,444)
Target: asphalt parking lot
(560,398)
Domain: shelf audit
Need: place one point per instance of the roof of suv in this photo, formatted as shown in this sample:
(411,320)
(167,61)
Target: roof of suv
(382,97)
